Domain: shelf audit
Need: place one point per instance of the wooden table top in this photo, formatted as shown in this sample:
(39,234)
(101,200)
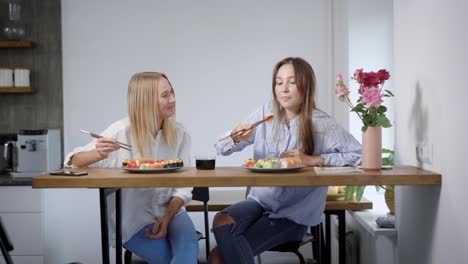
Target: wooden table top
(238,176)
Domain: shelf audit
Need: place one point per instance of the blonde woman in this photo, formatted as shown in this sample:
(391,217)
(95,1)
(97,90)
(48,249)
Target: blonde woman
(155,225)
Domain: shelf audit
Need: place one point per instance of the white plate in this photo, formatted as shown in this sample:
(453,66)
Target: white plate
(274,169)
(137,170)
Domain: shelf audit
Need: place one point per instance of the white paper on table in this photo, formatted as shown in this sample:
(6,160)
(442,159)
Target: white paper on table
(337,170)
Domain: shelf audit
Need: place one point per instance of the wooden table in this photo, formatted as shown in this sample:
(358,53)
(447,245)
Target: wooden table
(237,176)
(110,180)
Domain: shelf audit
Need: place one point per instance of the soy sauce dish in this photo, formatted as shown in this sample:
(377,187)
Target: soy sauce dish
(205,162)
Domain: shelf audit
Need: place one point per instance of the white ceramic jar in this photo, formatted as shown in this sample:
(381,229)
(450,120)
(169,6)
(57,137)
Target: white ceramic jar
(21,77)
(6,77)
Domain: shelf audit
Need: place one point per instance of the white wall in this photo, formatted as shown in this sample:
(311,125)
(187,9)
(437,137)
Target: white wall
(431,60)
(219,56)
(340,56)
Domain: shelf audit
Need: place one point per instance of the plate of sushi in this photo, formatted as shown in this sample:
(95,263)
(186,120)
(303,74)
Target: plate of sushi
(288,164)
(151,165)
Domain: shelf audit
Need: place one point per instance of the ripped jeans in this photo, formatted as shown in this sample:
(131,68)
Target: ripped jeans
(253,232)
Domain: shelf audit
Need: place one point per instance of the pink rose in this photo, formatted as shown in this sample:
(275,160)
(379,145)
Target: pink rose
(362,89)
(372,97)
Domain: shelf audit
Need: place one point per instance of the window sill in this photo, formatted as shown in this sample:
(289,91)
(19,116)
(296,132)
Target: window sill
(367,220)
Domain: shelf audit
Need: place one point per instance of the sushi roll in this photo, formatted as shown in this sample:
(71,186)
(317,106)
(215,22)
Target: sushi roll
(171,164)
(160,164)
(178,163)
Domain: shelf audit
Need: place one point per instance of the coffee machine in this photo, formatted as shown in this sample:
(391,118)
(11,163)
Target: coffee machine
(38,151)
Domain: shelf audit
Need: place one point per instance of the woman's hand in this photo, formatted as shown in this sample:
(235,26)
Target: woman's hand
(241,136)
(160,226)
(159,229)
(104,146)
(304,158)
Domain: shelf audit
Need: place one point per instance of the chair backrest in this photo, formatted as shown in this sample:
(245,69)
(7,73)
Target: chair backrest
(201,194)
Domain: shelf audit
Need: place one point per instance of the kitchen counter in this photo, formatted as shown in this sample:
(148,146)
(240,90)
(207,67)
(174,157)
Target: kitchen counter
(8,180)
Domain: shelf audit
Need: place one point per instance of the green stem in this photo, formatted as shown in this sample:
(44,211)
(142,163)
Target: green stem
(352,106)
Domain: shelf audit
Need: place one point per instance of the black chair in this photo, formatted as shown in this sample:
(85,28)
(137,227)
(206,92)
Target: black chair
(315,237)
(5,244)
(201,194)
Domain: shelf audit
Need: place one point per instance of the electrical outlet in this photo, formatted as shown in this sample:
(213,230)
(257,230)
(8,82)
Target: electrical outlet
(424,152)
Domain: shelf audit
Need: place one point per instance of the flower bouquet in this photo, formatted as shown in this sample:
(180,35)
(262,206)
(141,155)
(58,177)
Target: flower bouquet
(369,106)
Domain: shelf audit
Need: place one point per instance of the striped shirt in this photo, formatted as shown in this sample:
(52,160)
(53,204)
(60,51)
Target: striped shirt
(303,205)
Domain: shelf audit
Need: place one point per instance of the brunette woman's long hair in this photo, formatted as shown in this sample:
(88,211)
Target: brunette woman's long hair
(305,83)
(143,111)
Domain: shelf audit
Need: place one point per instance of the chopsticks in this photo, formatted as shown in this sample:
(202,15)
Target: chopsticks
(252,126)
(120,144)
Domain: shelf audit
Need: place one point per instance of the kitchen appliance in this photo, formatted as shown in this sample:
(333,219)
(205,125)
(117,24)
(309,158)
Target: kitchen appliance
(38,151)
(8,153)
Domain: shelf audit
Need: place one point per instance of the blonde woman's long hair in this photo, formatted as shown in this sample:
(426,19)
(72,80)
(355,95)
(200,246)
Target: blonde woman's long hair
(143,111)
(305,81)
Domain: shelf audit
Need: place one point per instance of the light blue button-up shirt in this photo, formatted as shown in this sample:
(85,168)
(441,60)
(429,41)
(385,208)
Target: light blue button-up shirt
(303,205)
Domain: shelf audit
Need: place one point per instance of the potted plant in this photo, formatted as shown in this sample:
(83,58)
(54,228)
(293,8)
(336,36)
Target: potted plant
(370,110)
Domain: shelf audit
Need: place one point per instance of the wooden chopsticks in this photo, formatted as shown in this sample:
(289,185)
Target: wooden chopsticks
(122,145)
(252,126)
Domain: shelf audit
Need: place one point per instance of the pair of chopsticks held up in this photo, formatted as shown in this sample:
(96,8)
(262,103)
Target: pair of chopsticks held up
(234,134)
(252,126)
(120,144)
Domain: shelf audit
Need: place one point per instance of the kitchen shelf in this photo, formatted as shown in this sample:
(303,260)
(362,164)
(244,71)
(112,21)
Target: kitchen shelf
(16,44)
(15,90)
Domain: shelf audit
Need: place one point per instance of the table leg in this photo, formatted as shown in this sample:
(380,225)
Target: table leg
(322,245)
(341,214)
(315,244)
(104,227)
(207,232)
(342,236)
(327,258)
(118,226)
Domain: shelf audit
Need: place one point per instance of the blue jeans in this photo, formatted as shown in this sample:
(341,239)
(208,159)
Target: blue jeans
(179,246)
(253,232)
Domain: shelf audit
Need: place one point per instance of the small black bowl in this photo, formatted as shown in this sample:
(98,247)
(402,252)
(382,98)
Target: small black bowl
(205,162)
